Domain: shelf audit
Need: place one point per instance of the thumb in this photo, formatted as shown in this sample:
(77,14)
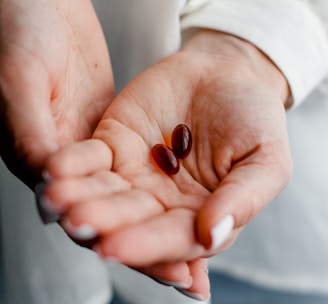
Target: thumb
(240,196)
(28,132)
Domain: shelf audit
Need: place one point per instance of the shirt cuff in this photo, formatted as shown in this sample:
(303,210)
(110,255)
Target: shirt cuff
(287,31)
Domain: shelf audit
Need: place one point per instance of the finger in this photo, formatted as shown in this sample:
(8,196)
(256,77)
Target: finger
(107,214)
(55,197)
(241,195)
(79,159)
(28,132)
(166,238)
(200,288)
(170,274)
(189,278)
(68,191)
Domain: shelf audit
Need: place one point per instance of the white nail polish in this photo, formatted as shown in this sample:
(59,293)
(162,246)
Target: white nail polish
(48,215)
(109,260)
(85,232)
(178,285)
(221,231)
(46,176)
(46,204)
(192,295)
(82,232)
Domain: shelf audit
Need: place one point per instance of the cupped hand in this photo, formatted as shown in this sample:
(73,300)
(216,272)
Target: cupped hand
(55,79)
(232,98)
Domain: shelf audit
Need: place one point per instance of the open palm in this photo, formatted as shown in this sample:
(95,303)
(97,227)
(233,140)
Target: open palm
(238,163)
(239,160)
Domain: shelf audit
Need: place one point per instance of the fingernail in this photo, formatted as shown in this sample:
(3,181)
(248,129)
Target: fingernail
(110,260)
(46,176)
(221,231)
(192,295)
(47,214)
(81,232)
(178,285)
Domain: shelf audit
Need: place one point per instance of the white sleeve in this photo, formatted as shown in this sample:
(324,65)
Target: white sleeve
(287,31)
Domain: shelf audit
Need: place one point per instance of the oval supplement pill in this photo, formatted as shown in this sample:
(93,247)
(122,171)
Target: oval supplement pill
(181,141)
(165,159)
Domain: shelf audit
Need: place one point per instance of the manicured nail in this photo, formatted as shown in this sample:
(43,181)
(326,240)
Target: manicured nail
(221,231)
(81,232)
(192,295)
(47,213)
(110,260)
(46,176)
(178,285)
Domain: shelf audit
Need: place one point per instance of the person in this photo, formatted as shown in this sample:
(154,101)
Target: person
(319,72)
(112,131)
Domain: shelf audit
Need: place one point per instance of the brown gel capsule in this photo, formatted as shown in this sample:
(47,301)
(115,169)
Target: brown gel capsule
(165,159)
(181,141)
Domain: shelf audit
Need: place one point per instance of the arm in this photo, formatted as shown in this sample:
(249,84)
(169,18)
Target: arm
(288,32)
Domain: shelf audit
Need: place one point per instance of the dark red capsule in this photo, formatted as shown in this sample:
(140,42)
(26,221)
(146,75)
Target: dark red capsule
(165,159)
(181,141)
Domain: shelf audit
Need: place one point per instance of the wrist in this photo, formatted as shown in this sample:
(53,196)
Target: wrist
(239,54)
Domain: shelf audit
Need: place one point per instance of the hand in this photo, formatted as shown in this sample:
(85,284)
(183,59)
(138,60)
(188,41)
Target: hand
(232,98)
(55,79)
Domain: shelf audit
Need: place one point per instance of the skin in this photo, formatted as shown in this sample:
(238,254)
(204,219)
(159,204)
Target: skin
(54,84)
(232,98)
(54,87)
